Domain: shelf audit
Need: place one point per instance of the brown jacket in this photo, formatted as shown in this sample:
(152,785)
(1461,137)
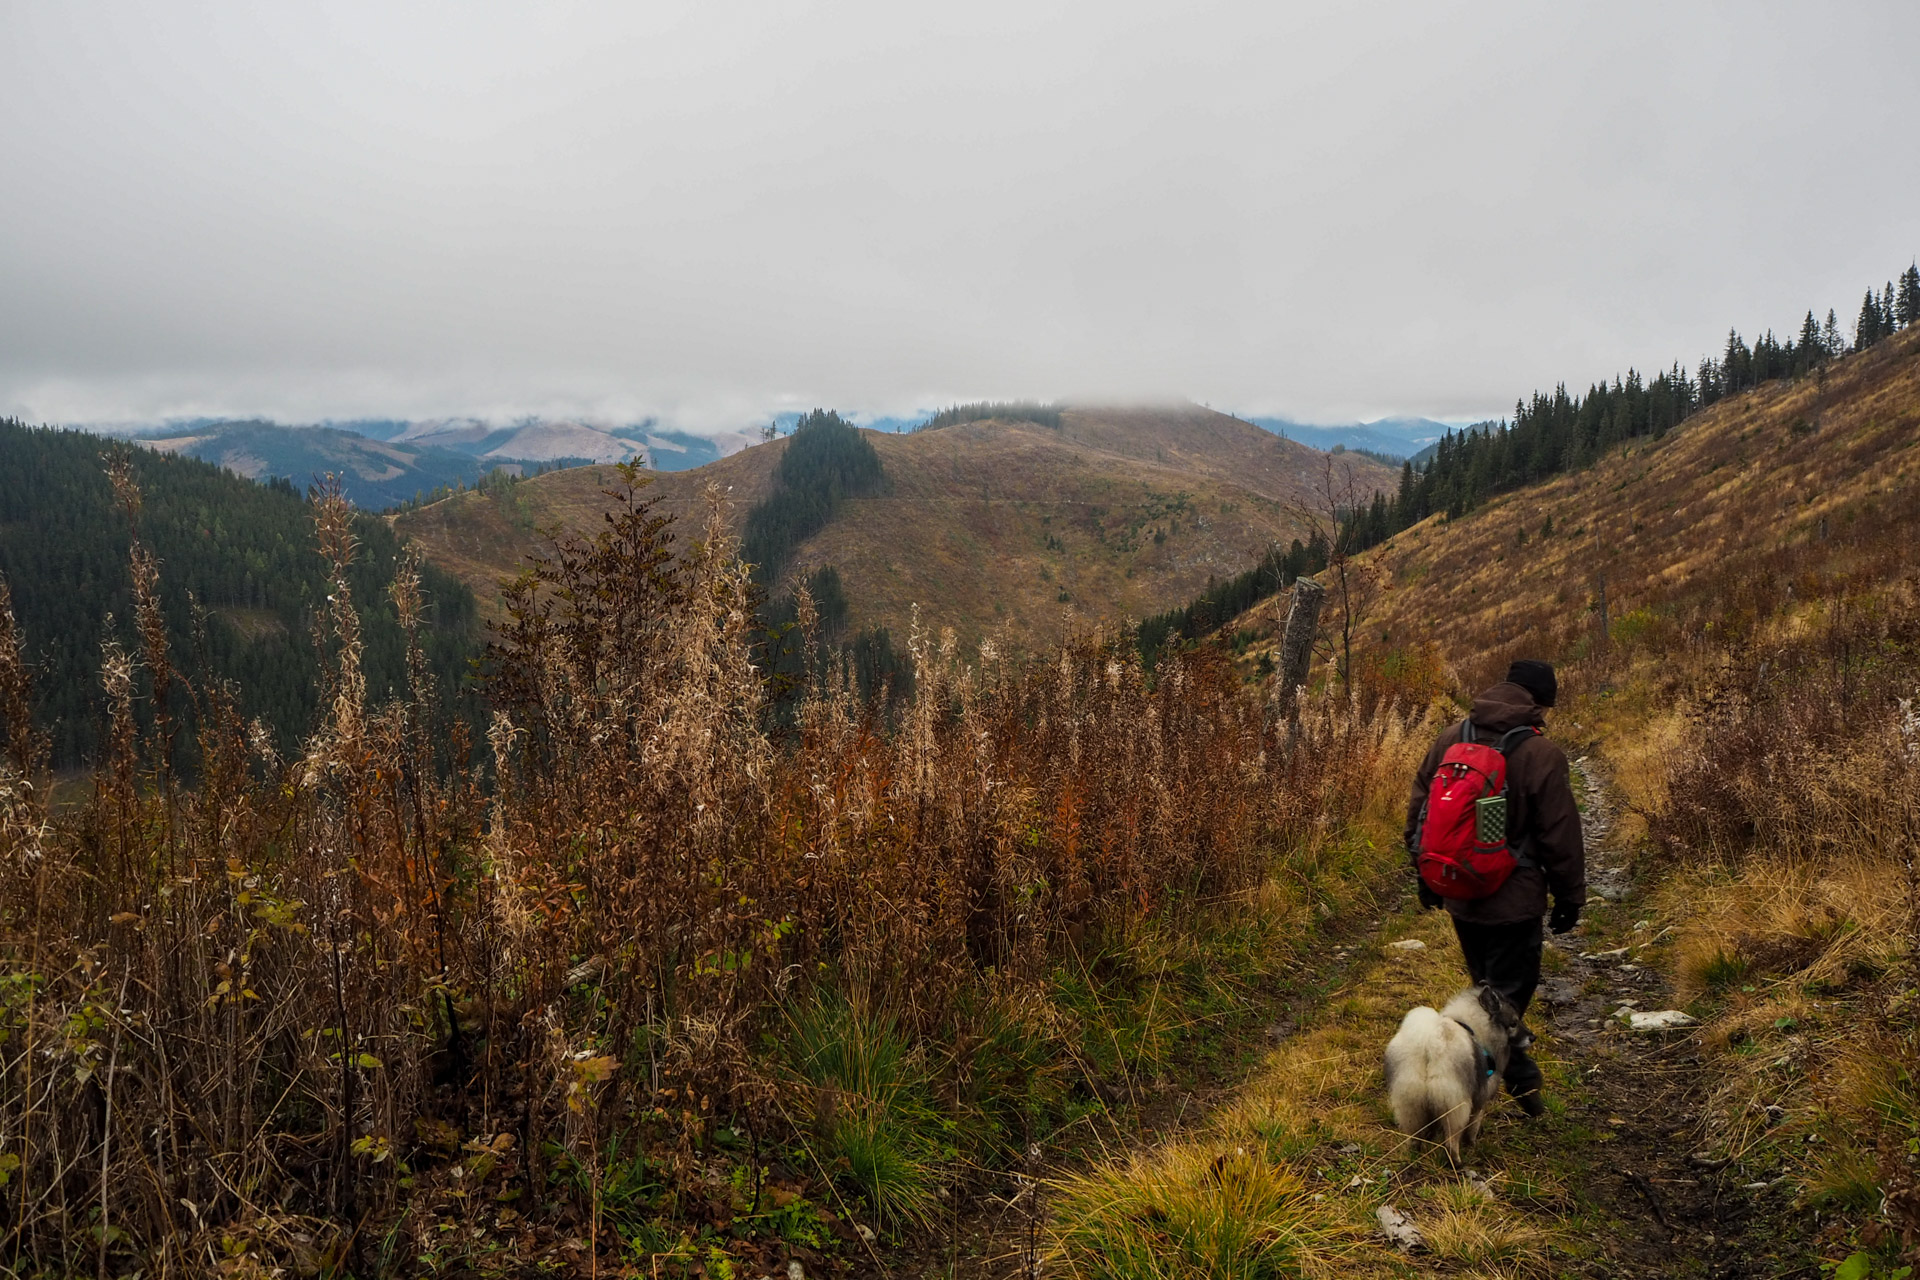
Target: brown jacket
(1541,813)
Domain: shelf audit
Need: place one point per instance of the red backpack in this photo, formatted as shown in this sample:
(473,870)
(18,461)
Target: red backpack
(1461,845)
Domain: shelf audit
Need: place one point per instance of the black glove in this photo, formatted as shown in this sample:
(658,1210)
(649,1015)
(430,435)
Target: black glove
(1428,898)
(1565,915)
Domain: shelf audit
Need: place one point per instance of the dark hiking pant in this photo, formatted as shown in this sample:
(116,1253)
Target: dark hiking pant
(1507,958)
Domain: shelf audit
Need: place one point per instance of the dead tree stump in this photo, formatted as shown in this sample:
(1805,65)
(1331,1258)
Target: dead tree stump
(1296,643)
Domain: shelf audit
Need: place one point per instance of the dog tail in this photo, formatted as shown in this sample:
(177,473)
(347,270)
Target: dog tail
(1423,1118)
(1430,1082)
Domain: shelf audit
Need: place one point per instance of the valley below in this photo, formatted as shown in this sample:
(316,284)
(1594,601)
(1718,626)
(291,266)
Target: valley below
(990,528)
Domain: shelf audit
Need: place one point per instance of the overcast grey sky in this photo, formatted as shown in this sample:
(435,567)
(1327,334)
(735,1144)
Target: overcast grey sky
(711,211)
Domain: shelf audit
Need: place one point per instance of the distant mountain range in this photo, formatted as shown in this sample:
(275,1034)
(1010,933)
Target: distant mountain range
(374,473)
(551,441)
(988,527)
(385,462)
(1397,438)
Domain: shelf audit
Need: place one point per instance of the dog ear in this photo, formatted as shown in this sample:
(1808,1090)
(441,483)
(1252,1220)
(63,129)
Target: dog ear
(1496,1005)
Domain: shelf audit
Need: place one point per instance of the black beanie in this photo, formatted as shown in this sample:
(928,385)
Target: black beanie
(1536,678)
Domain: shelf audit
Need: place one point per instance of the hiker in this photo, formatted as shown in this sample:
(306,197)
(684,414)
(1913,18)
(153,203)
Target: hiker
(1542,851)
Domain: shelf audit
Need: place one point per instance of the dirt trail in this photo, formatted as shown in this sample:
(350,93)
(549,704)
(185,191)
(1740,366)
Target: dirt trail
(996,1231)
(1618,1182)
(1675,1208)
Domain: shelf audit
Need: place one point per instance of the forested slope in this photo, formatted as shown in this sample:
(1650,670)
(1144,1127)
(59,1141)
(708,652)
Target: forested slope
(242,552)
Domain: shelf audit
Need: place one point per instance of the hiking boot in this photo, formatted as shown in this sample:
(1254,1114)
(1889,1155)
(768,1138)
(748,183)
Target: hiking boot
(1523,1080)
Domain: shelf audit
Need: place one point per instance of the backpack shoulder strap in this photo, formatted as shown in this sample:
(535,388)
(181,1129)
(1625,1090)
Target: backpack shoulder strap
(1508,741)
(1514,737)
(1466,730)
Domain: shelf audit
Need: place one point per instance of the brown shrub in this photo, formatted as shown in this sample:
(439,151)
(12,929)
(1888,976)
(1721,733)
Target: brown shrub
(256,1021)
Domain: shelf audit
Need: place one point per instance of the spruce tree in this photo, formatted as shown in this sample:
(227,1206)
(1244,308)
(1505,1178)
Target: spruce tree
(1830,336)
(1866,330)
(1907,304)
(1709,379)
(1733,368)
(1811,348)
(1887,325)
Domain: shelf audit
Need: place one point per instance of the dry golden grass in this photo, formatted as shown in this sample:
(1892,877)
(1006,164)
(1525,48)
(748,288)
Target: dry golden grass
(1796,937)
(1831,919)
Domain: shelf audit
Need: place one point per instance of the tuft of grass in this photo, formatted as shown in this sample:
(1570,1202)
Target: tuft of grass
(1229,1214)
(1458,1226)
(1721,971)
(875,1125)
(1846,1180)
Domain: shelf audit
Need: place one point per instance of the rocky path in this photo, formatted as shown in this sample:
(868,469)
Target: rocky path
(1671,1206)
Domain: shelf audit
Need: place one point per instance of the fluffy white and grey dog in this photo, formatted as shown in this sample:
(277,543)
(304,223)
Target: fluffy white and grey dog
(1444,1066)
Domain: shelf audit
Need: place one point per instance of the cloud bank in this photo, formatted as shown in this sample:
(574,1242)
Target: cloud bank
(709,213)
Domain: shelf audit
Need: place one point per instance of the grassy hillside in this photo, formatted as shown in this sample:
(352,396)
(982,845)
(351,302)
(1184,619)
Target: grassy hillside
(1766,502)
(984,525)
(1697,536)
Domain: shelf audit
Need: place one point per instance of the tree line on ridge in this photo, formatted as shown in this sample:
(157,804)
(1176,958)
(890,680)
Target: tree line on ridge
(1559,432)
(1547,435)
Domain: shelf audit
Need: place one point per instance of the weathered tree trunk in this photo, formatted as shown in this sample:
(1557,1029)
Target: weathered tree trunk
(1606,626)
(1296,642)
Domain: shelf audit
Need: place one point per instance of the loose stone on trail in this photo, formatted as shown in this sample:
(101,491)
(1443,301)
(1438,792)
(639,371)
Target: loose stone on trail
(1407,944)
(1398,1228)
